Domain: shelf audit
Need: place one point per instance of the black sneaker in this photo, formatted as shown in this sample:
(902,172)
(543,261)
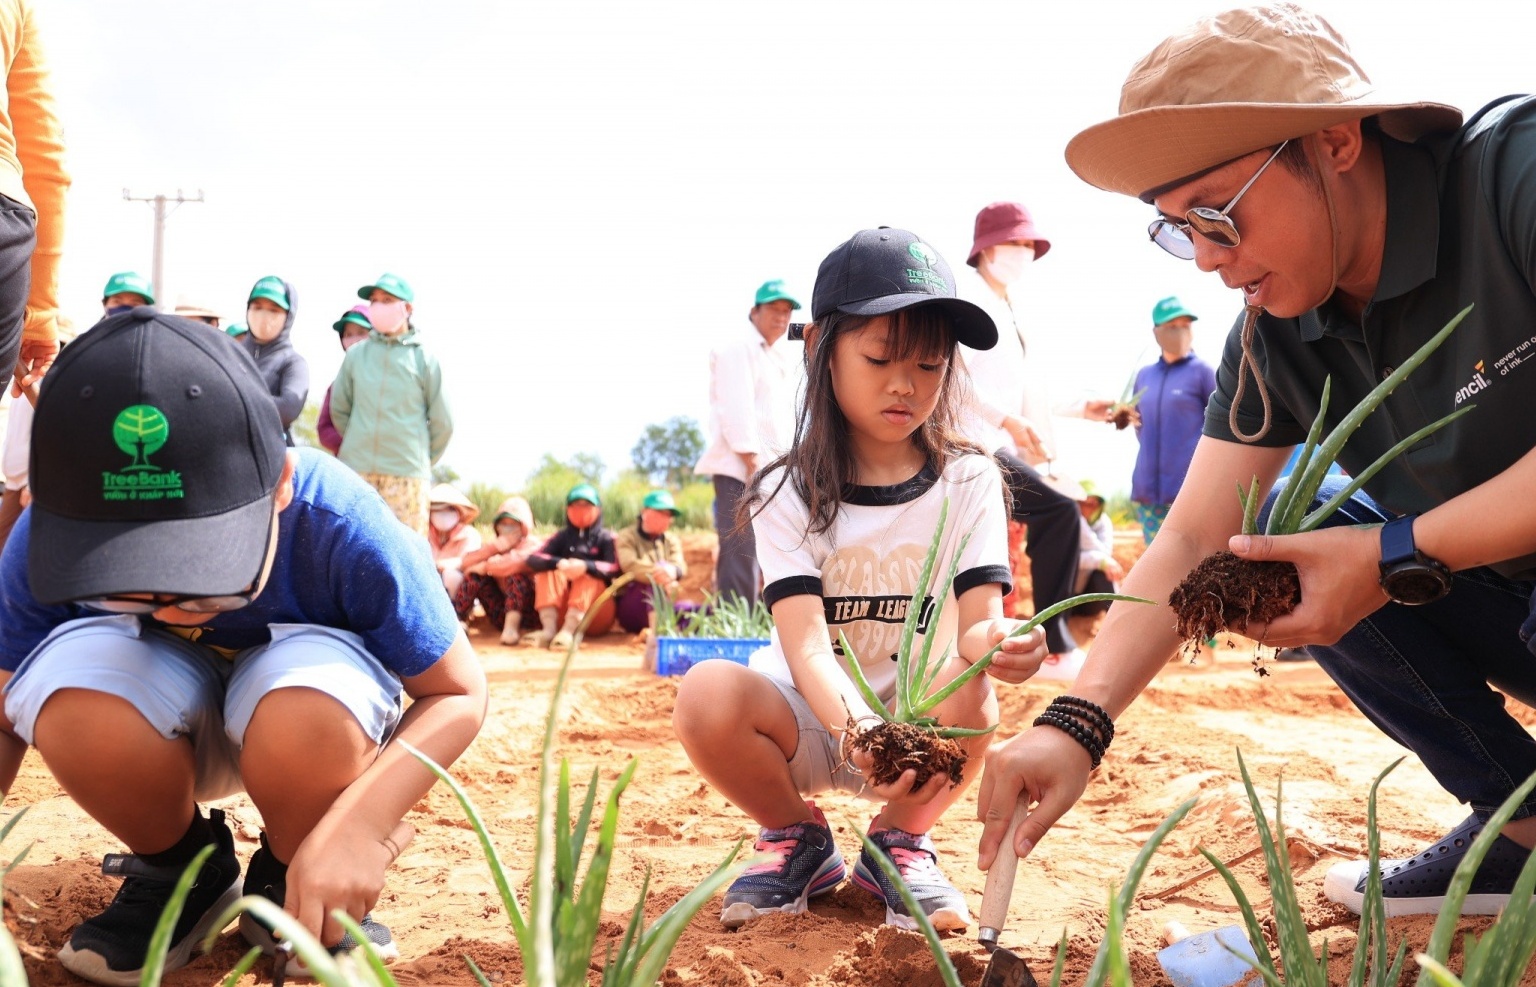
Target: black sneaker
(918,864)
(1417,886)
(805,864)
(110,948)
(267,876)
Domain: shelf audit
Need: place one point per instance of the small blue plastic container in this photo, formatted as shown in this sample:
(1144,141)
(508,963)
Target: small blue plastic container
(675,655)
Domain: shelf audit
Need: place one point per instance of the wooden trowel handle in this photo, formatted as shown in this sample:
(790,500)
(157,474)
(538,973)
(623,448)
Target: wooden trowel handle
(999,888)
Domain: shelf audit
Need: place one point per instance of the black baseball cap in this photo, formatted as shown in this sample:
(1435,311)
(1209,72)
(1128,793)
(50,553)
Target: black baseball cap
(885,270)
(156,451)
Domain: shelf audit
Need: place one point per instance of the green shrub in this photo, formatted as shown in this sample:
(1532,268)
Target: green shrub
(546,492)
(622,499)
(696,500)
(487,497)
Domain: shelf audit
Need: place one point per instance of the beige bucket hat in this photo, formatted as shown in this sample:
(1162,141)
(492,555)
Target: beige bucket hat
(1229,85)
(447,493)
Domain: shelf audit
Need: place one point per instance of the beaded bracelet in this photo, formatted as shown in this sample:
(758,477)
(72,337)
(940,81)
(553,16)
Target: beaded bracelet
(1084,720)
(1092,712)
(1076,731)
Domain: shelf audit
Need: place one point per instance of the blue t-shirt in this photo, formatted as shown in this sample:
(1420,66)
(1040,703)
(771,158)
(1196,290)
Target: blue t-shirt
(342,561)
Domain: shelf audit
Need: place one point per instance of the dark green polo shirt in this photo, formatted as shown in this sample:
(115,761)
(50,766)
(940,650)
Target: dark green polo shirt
(1461,229)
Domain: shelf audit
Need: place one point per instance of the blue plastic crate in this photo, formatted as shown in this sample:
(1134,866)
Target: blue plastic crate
(675,655)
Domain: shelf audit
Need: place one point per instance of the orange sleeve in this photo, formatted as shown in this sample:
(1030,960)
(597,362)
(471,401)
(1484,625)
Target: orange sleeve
(40,149)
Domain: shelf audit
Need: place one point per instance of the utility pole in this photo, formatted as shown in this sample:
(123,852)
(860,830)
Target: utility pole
(160,202)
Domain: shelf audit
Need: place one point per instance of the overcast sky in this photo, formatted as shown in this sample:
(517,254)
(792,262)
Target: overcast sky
(586,194)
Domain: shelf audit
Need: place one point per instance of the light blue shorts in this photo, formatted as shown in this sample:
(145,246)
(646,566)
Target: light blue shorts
(185,689)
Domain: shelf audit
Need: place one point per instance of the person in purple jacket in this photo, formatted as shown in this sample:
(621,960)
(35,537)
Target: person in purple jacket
(1173,391)
(352,328)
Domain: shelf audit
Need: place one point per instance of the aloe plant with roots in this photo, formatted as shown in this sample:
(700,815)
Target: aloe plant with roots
(1122,413)
(918,669)
(1223,591)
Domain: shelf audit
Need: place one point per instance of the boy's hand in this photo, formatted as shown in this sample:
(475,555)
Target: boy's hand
(571,568)
(346,872)
(1020,656)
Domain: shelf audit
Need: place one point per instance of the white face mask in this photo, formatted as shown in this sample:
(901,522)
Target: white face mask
(265,325)
(1008,262)
(445,520)
(387,317)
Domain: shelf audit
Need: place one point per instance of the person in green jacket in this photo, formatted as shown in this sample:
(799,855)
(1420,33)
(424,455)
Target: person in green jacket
(389,406)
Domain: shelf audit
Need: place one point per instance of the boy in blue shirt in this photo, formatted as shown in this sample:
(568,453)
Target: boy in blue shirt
(228,614)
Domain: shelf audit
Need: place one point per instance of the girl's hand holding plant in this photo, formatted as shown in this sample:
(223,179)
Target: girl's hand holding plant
(1018,658)
(1340,586)
(901,791)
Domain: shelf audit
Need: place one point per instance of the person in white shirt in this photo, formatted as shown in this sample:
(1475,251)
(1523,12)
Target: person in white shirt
(1010,414)
(753,382)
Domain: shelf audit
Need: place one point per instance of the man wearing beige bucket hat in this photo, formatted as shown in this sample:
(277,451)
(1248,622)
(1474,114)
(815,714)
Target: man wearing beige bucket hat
(1356,223)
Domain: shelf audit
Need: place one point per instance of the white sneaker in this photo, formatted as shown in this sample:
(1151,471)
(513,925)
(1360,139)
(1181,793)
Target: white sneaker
(1063,667)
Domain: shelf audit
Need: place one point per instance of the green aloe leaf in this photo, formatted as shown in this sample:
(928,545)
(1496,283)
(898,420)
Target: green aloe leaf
(1286,498)
(1338,500)
(1440,940)
(160,939)
(945,966)
(981,663)
(905,700)
(1102,960)
(1308,483)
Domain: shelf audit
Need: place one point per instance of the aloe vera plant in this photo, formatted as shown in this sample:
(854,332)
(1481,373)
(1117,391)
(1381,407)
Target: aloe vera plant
(917,671)
(1370,966)
(1223,591)
(557,931)
(1501,955)
(1123,413)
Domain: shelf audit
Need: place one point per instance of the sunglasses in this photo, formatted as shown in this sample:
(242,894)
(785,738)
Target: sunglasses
(137,604)
(1213,224)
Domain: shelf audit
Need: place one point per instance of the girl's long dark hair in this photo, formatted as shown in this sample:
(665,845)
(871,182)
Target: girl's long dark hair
(819,464)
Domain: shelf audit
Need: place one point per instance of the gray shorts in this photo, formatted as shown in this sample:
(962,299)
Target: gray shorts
(186,689)
(818,765)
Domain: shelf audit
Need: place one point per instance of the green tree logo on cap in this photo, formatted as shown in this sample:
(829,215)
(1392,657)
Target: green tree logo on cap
(924,254)
(139,430)
(925,277)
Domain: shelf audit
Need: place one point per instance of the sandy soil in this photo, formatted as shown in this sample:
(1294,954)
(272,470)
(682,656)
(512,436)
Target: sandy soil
(1178,741)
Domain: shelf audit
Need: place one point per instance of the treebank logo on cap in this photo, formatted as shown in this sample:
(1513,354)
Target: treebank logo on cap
(141,430)
(927,278)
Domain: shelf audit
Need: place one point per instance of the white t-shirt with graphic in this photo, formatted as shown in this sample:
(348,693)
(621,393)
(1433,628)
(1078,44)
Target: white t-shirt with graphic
(867,566)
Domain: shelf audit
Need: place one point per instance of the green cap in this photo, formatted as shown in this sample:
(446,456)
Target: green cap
(1168,309)
(357,315)
(581,491)
(237,329)
(773,291)
(392,283)
(660,500)
(131,282)
(1091,491)
(272,289)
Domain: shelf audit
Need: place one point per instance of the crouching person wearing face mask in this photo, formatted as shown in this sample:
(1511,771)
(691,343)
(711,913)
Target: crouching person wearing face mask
(388,404)
(269,312)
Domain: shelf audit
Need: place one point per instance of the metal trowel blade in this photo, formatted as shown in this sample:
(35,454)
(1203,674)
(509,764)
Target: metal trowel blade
(1007,969)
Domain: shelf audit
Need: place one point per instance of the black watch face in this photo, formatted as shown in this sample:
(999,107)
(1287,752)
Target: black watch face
(1415,585)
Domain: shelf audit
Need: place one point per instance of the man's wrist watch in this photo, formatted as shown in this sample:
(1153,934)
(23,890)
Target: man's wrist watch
(1408,575)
